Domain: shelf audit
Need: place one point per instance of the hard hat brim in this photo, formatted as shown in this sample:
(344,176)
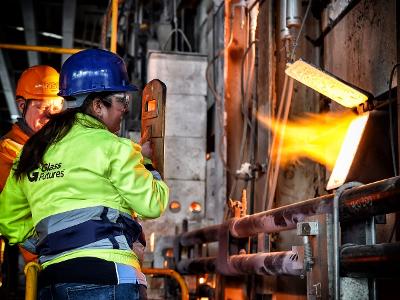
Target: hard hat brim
(127,88)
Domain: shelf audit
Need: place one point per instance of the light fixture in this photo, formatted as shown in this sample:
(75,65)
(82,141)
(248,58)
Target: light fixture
(326,84)
(347,151)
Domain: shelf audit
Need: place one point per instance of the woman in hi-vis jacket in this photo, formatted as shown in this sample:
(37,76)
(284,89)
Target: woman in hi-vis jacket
(72,192)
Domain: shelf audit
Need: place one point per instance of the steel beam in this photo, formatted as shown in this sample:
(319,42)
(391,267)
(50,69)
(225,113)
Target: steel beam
(7,88)
(28,15)
(39,48)
(68,25)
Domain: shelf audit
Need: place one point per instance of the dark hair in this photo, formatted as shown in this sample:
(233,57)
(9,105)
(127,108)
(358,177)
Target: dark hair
(55,130)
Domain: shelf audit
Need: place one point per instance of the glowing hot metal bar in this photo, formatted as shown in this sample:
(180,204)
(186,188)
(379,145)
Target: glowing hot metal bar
(347,151)
(325,84)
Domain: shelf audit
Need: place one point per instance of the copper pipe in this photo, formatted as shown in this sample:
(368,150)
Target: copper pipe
(40,48)
(31,271)
(173,274)
(275,170)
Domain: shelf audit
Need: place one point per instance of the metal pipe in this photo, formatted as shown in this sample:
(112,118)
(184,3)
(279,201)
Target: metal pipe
(379,260)
(40,48)
(272,263)
(336,232)
(175,25)
(274,147)
(200,236)
(31,271)
(173,274)
(355,204)
(201,265)
(284,31)
(104,28)
(275,170)
(371,240)
(114,26)
(293,13)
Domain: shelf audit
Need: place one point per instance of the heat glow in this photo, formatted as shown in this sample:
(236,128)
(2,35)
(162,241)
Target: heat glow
(317,137)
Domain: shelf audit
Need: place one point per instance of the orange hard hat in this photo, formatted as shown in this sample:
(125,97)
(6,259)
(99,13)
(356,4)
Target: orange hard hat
(38,82)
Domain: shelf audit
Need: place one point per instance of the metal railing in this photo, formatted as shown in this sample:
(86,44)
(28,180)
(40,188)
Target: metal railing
(32,270)
(173,274)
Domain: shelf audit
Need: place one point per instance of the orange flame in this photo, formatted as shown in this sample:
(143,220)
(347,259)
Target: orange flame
(316,136)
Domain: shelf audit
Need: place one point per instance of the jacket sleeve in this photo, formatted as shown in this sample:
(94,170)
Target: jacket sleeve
(15,214)
(141,192)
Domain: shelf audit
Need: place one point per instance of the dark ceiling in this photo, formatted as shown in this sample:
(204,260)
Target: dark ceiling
(47,20)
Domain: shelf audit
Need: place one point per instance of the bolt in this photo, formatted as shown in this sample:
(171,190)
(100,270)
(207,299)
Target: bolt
(306,228)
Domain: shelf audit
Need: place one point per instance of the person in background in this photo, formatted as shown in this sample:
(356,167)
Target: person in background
(36,98)
(77,184)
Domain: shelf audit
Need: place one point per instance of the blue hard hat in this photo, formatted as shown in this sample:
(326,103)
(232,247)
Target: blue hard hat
(94,70)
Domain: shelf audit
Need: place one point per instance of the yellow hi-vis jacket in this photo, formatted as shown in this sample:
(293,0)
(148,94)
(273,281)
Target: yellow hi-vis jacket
(88,177)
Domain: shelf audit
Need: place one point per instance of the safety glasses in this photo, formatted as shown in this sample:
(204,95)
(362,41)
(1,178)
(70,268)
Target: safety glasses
(121,98)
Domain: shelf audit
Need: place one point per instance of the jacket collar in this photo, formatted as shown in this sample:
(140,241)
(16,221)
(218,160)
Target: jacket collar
(24,127)
(89,121)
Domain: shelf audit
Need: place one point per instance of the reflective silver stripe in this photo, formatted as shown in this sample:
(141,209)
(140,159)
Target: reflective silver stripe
(74,217)
(71,218)
(156,175)
(101,244)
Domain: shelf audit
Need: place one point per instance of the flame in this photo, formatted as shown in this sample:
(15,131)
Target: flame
(316,136)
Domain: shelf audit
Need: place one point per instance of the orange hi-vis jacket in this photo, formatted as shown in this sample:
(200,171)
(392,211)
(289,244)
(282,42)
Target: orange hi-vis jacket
(10,146)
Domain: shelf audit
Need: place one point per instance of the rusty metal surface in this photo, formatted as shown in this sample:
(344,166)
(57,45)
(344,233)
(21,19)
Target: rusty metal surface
(380,260)
(370,200)
(282,218)
(232,94)
(272,263)
(355,204)
(367,52)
